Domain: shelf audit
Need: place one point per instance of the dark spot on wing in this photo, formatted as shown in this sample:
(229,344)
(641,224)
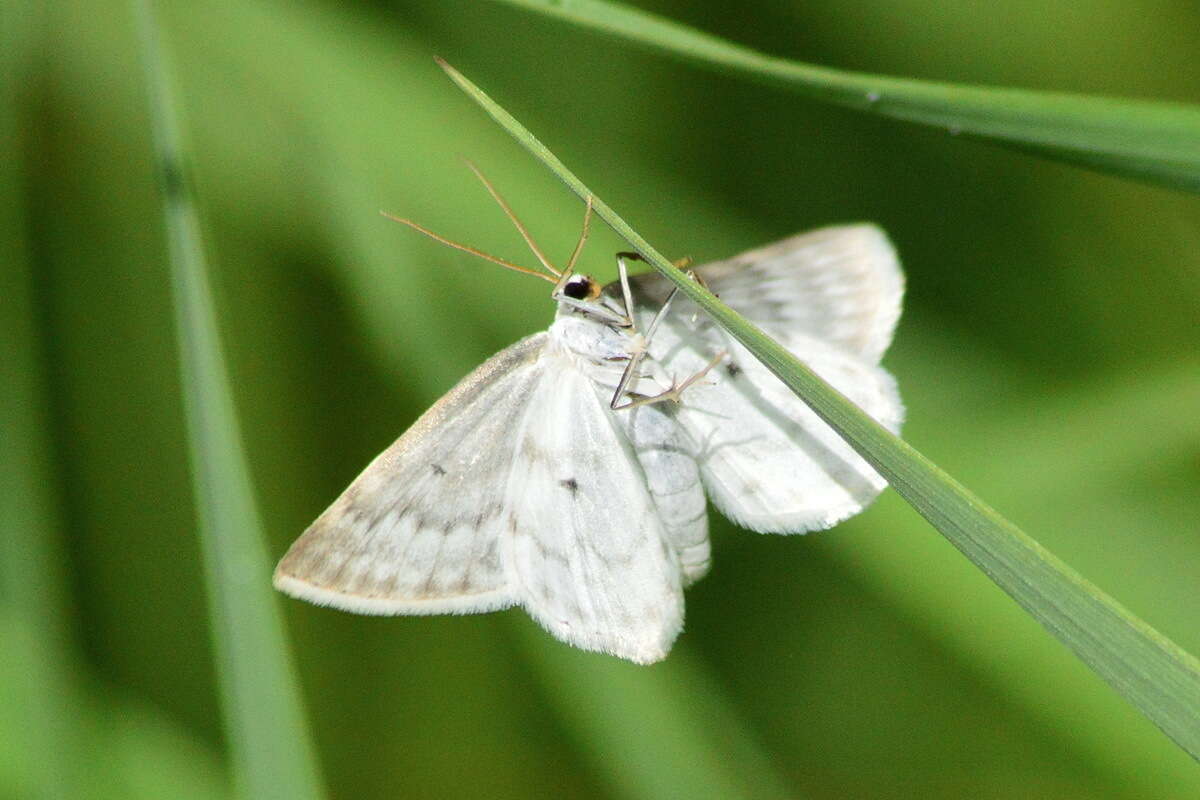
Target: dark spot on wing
(571,484)
(733,369)
(437,469)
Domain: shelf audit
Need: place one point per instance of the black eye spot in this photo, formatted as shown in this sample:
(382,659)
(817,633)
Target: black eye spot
(578,288)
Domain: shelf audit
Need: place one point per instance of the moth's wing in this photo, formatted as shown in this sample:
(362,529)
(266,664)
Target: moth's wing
(841,285)
(832,297)
(673,479)
(588,547)
(768,461)
(421,530)
(667,459)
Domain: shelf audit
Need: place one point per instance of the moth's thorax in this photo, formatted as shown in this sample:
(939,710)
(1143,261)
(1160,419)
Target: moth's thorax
(590,338)
(601,350)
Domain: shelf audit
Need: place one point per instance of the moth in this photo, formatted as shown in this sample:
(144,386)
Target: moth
(568,474)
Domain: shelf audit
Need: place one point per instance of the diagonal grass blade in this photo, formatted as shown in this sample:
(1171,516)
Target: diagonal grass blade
(1157,676)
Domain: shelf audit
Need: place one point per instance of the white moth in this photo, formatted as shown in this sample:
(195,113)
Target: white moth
(567,474)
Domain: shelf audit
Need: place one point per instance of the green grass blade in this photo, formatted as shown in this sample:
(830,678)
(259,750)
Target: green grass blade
(39,686)
(271,750)
(1153,141)
(1157,676)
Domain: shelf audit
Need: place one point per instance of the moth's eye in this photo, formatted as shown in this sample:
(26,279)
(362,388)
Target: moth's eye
(579,287)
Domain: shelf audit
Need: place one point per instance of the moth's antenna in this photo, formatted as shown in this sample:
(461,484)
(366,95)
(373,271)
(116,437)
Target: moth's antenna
(468,249)
(583,235)
(508,212)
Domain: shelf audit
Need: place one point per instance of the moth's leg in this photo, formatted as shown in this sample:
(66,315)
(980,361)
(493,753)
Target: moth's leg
(662,312)
(623,272)
(717,359)
(635,358)
(617,320)
(675,392)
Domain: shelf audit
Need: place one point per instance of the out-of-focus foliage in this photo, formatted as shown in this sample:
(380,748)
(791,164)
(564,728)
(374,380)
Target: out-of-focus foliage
(271,753)
(1047,356)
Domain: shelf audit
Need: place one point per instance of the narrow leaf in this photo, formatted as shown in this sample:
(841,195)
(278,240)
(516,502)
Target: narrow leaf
(39,687)
(270,747)
(1157,676)
(1154,141)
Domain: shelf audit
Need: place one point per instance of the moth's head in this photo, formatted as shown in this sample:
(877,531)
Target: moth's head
(582,295)
(581,287)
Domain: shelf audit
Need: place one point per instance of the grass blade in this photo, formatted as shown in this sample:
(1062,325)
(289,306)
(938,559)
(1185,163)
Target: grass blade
(1154,141)
(270,748)
(39,686)
(1157,676)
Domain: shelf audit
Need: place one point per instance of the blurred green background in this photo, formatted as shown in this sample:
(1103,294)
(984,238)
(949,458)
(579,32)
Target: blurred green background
(1048,358)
